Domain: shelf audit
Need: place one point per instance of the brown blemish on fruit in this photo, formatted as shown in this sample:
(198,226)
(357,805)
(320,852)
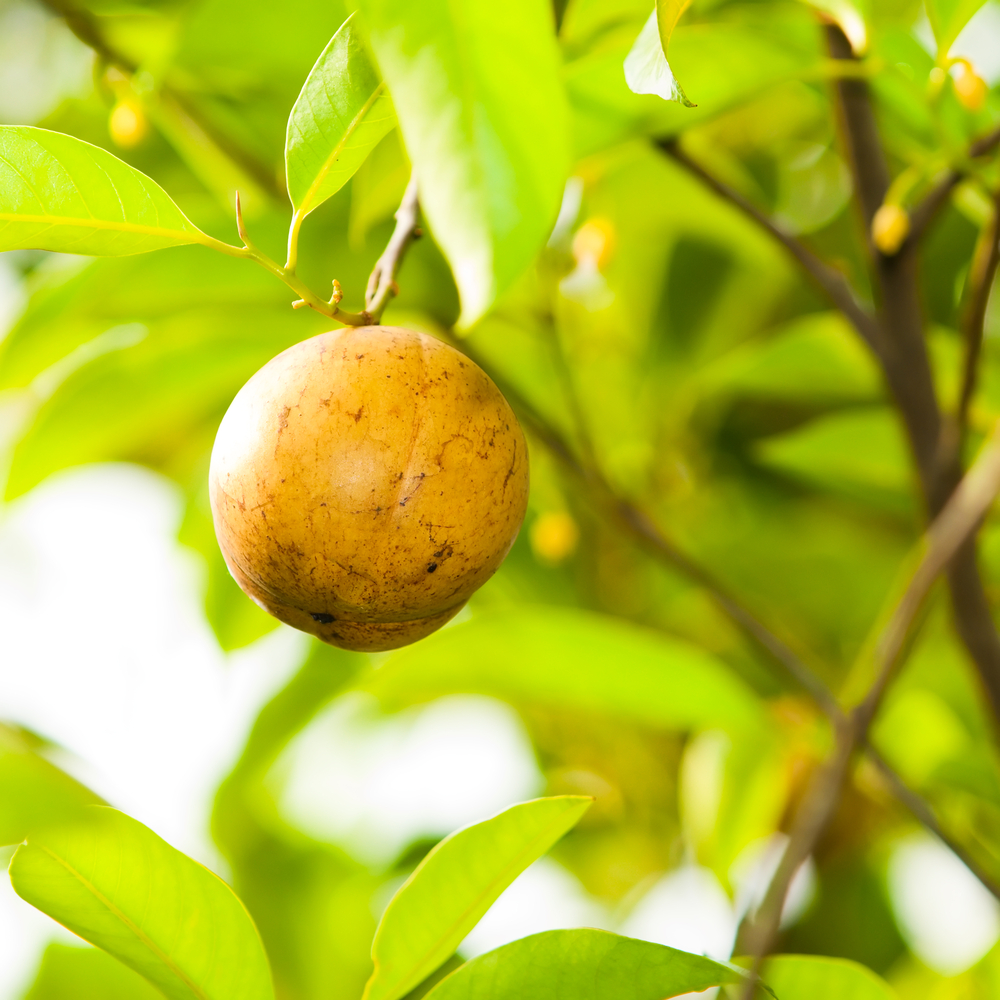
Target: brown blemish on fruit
(349,525)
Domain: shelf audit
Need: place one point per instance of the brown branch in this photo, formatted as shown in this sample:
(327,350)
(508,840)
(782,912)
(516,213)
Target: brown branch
(833,284)
(382,282)
(957,522)
(982,273)
(925,814)
(923,214)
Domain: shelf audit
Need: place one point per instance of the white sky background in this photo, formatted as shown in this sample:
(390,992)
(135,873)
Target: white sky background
(105,650)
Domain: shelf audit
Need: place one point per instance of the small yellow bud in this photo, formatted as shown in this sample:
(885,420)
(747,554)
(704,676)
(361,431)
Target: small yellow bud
(970,88)
(890,227)
(554,536)
(594,241)
(128,124)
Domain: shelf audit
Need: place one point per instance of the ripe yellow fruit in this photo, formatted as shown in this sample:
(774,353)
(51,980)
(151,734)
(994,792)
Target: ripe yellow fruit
(890,227)
(554,535)
(970,88)
(128,124)
(365,482)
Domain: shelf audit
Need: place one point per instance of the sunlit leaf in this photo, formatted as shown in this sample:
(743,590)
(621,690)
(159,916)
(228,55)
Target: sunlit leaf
(484,119)
(74,973)
(60,193)
(340,116)
(585,965)
(948,18)
(456,884)
(571,658)
(34,793)
(116,884)
(646,68)
(815,977)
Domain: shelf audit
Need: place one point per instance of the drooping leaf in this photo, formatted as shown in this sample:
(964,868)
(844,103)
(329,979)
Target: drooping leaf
(456,884)
(583,964)
(569,657)
(63,194)
(483,115)
(948,18)
(116,884)
(815,977)
(646,68)
(341,114)
(33,792)
(73,973)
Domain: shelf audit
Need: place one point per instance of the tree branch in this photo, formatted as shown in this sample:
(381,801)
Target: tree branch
(382,282)
(957,522)
(833,284)
(923,214)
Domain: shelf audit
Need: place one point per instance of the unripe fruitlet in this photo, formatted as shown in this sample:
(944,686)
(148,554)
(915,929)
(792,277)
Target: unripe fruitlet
(365,482)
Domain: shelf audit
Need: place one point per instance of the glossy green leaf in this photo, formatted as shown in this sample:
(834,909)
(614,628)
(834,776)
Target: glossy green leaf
(33,792)
(341,114)
(646,68)
(484,119)
(456,884)
(59,193)
(948,18)
(815,977)
(585,965)
(69,972)
(571,658)
(113,882)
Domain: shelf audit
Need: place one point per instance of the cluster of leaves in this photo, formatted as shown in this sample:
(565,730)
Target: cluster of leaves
(656,333)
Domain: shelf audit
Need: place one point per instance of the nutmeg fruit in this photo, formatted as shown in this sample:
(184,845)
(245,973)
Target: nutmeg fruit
(365,483)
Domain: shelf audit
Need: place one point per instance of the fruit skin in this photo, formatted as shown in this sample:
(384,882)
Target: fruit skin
(365,483)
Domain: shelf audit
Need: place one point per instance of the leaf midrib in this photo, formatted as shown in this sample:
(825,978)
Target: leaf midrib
(91,223)
(130,924)
(324,170)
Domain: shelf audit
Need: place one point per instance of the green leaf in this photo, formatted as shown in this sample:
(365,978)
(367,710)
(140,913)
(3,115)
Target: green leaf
(34,793)
(484,119)
(646,68)
(115,883)
(456,884)
(948,18)
(341,114)
(585,965)
(63,194)
(72,973)
(569,657)
(812,977)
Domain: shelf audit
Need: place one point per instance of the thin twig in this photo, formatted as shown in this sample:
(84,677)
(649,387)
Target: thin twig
(923,812)
(923,214)
(382,282)
(959,520)
(834,285)
(982,272)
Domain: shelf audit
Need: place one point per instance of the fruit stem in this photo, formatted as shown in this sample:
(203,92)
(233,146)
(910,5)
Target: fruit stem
(382,283)
(307,297)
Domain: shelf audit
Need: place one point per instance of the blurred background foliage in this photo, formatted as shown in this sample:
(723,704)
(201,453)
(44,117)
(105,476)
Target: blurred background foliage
(669,341)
